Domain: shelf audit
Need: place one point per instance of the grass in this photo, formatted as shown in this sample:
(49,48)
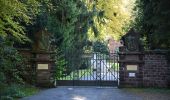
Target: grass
(149,93)
(16,91)
(29,90)
(148,90)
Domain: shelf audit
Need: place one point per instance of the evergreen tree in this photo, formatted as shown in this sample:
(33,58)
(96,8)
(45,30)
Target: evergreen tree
(153,22)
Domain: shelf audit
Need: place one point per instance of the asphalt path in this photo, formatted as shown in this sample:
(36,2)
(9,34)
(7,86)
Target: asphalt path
(83,93)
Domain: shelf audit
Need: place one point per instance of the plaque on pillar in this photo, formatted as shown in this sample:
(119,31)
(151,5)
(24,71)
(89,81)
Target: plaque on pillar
(131,67)
(42,66)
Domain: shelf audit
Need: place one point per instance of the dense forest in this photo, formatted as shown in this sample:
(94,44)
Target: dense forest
(74,25)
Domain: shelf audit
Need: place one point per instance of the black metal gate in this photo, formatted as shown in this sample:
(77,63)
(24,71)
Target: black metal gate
(90,69)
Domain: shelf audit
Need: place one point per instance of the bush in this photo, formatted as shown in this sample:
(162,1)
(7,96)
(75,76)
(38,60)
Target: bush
(6,98)
(16,91)
(11,71)
(60,65)
(12,91)
(100,47)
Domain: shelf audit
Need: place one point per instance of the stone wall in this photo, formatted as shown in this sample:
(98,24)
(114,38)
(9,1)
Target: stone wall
(156,71)
(153,71)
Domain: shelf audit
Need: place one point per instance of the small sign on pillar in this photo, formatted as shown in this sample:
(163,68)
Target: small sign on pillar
(132,74)
(131,67)
(42,66)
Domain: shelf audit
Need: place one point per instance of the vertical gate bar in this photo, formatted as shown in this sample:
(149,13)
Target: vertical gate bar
(96,64)
(109,70)
(65,59)
(63,77)
(94,67)
(104,66)
(86,67)
(100,69)
(87,64)
(78,66)
(108,63)
(101,66)
(114,67)
(64,53)
(69,65)
(79,69)
(117,66)
(90,65)
(100,57)
(68,60)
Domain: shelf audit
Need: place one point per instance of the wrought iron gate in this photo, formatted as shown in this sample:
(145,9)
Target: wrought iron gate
(91,69)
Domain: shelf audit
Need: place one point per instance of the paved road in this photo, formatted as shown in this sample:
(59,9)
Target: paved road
(83,93)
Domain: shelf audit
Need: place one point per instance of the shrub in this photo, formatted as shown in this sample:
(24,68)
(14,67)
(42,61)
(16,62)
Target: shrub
(11,71)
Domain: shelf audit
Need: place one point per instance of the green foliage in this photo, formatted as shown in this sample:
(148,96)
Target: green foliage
(113,17)
(60,68)
(115,66)
(12,70)
(15,91)
(68,21)
(12,14)
(10,62)
(100,47)
(152,21)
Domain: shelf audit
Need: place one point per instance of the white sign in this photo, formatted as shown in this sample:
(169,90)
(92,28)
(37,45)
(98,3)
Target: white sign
(42,66)
(132,74)
(132,67)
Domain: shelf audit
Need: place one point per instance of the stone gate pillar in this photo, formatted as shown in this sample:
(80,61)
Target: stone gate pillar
(44,69)
(42,59)
(131,61)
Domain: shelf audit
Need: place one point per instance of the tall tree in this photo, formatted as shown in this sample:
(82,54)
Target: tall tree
(112,17)
(13,14)
(153,21)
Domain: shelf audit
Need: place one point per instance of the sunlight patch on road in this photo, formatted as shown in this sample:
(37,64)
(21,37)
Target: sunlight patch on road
(77,97)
